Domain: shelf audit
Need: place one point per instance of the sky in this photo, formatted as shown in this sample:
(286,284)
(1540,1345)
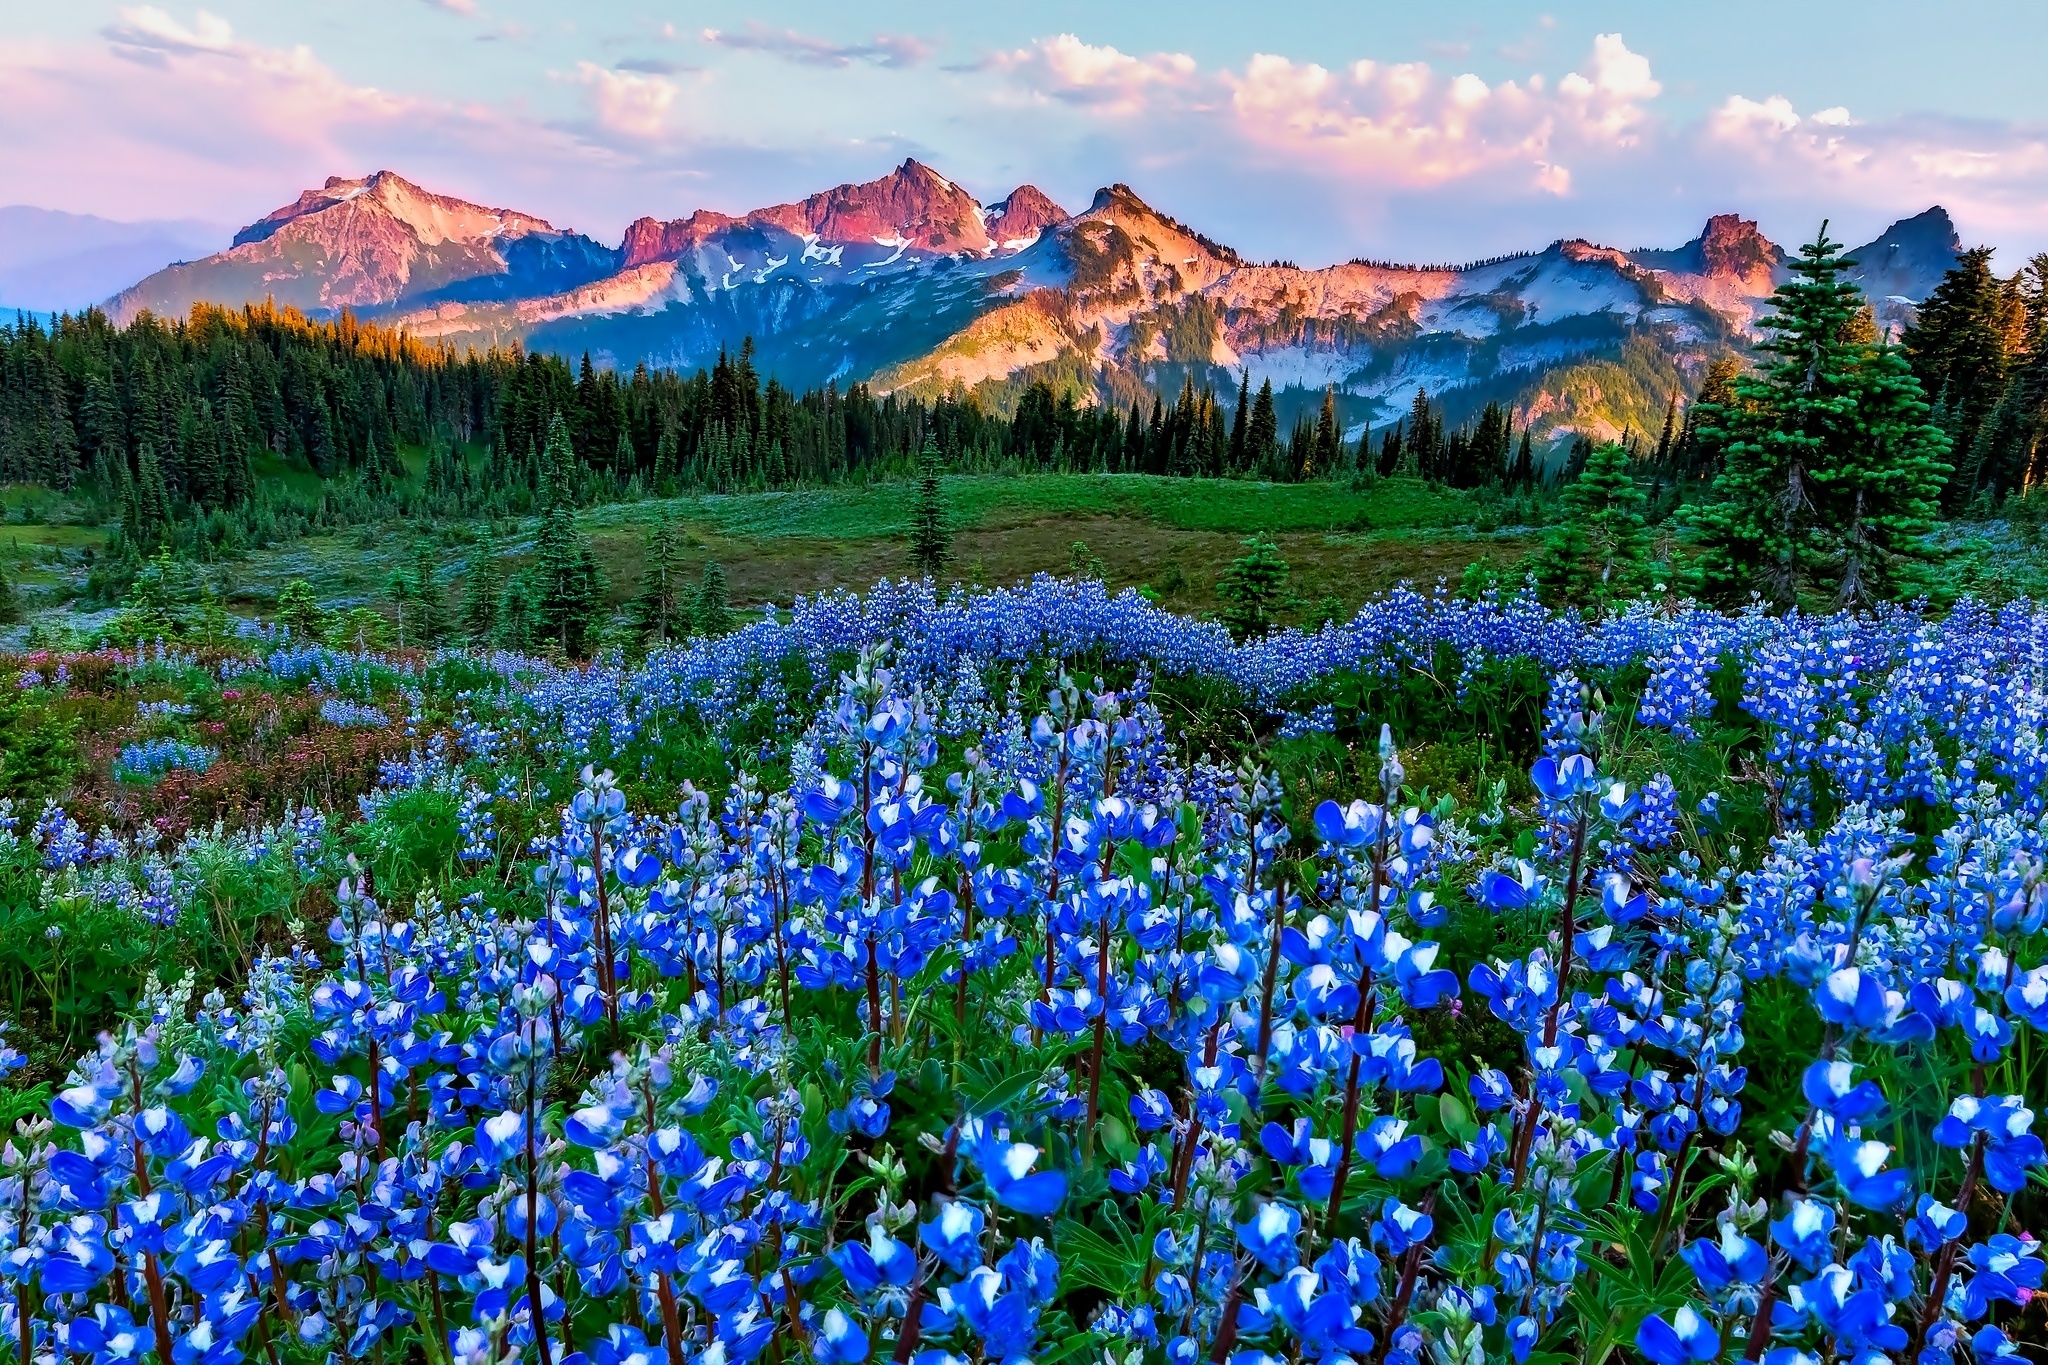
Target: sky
(1312,131)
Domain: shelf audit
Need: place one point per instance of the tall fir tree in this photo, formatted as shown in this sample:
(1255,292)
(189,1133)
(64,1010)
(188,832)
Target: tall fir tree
(518,626)
(1522,473)
(665,463)
(1423,440)
(1262,432)
(1240,420)
(149,521)
(1692,459)
(1390,456)
(1329,438)
(1667,440)
(1831,471)
(480,592)
(661,611)
(931,544)
(568,585)
(1596,553)
(430,603)
(1959,353)
(711,615)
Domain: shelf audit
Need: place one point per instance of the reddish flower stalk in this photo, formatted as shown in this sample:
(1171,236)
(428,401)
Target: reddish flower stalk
(1272,979)
(1360,1022)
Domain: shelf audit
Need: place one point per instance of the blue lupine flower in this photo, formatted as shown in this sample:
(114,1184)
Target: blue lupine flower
(1270,1234)
(1685,1339)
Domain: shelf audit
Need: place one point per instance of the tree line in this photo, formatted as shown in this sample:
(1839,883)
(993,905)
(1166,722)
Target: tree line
(1812,475)
(172,426)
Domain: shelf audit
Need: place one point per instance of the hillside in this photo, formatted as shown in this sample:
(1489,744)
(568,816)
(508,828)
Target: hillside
(910,283)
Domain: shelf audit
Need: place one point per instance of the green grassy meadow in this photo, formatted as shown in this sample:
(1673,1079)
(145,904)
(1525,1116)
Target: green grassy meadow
(1174,536)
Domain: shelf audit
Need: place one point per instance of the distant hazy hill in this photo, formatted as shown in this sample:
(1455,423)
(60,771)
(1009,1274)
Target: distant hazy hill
(51,261)
(910,282)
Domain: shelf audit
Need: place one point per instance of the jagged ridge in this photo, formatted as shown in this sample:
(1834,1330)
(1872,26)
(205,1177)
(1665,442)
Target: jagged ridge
(908,281)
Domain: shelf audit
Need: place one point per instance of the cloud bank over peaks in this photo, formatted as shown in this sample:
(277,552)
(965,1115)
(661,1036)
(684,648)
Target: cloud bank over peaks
(1403,124)
(163,111)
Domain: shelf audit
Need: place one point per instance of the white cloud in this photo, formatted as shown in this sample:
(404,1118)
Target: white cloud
(630,103)
(146,33)
(168,111)
(1740,119)
(1404,124)
(1100,78)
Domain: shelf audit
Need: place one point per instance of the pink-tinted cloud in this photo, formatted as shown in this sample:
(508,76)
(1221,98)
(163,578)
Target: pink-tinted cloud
(1103,79)
(632,104)
(1404,124)
(168,116)
(1992,176)
(175,113)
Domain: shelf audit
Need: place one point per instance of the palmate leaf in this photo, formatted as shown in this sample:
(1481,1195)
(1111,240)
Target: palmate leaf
(988,1087)
(1615,1295)
(1111,1256)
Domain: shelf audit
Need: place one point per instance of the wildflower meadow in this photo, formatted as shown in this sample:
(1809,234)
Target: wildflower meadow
(1036,975)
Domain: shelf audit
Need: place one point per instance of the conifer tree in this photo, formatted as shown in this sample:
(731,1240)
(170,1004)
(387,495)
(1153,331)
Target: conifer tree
(568,583)
(480,592)
(1390,450)
(1693,459)
(930,542)
(519,626)
(430,607)
(1253,589)
(1323,451)
(150,518)
(665,463)
(1596,553)
(300,613)
(711,616)
(1486,452)
(1830,469)
(1262,432)
(660,611)
(1240,420)
(1958,349)
(1523,472)
(568,589)
(1423,439)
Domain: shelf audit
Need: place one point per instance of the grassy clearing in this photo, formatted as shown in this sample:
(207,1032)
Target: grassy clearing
(295,478)
(1173,535)
(989,501)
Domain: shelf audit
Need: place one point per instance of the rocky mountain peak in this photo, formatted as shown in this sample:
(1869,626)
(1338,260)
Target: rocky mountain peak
(1023,215)
(1905,263)
(1733,245)
(913,204)
(386,195)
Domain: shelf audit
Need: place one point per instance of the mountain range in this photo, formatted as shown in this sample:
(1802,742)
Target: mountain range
(910,283)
